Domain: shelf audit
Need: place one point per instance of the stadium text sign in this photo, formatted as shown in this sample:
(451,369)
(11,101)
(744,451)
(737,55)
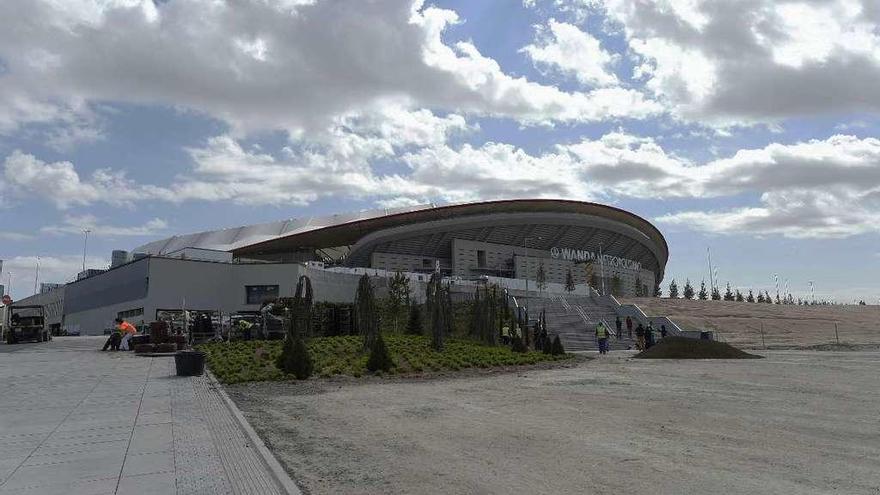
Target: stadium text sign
(584,255)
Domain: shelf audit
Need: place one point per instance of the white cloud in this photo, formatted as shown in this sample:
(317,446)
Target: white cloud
(819,188)
(76,224)
(55,269)
(724,62)
(566,48)
(15,236)
(60,183)
(262,65)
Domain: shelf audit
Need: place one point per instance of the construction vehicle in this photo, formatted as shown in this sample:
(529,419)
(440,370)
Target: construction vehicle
(26,323)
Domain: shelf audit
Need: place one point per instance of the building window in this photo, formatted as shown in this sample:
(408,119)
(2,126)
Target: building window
(131,313)
(481,259)
(258,294)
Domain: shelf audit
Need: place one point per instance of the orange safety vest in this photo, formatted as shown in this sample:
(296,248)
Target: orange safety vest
(126,327)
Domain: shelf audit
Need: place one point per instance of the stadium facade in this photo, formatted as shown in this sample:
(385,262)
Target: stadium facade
(606,248)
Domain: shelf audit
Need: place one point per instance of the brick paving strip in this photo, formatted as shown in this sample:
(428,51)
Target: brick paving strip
(77,421)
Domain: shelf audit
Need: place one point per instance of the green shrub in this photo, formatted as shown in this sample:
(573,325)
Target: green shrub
(236,362)
(295,359)
(414,325)
(557,349)
(379,360)
(517,345)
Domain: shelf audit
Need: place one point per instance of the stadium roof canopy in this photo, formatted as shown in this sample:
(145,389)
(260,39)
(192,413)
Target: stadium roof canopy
(348,229)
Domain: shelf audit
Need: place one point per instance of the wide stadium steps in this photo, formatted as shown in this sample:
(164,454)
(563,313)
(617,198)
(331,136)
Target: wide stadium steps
(575,333)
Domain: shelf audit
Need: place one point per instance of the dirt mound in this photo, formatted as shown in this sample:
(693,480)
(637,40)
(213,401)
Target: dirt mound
(684,348)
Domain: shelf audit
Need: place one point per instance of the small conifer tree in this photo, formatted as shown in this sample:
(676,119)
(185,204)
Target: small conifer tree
(556,348)
(414,325)
(295,359)
(365,314)
(760,297)
(569,281)
(688,289)
(541,278)
(379,359)
(673,290)
(716,294)
(767,298)
(703,295)
(739,297)
(728,294)
(751,297)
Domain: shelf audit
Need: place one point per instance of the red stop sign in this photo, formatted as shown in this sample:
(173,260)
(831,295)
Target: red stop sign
(7,300)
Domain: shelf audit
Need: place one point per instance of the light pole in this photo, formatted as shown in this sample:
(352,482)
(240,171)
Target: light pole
(711,279)
(36,274)
(526,253)
(602,269)
(85,244)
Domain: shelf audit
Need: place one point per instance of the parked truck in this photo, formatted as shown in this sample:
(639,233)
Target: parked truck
(26,323)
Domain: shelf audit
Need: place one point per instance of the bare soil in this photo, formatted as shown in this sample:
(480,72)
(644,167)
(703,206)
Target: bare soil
(785,326)
(796,422)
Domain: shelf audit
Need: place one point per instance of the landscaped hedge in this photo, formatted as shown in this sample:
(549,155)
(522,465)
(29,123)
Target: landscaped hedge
(235,362)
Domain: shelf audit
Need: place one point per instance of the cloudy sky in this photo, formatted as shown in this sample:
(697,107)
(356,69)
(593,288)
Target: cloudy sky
(747,126)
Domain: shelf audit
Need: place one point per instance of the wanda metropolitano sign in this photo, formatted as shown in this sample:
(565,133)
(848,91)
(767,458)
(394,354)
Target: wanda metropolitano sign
(583,255)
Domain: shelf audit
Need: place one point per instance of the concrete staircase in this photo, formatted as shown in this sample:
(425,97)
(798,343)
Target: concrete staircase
(574,319)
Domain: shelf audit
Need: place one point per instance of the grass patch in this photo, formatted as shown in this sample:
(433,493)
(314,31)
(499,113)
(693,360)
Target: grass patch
(684,348)
(236,362)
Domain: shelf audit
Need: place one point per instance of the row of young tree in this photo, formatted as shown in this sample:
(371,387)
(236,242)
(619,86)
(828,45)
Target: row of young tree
(715,294)
(489,314)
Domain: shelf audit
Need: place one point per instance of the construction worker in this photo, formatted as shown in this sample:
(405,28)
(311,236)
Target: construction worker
(619,325)
(602,336)
(640,337)
(127,330)
(629,327)
(505,334)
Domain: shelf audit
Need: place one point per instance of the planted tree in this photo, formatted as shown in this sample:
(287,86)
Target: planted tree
(414,325)
(569,281)
(639,292)
(379,359)
(294,358)
(673,290)
(739,297)
(688,289)
(435,301)
(557,349)
(615,285)
(541,278)
(751,297)
(398,298)
(767,298)
(365,315)
(703,295)
(760,297)
(716,294)
(728,294)
(658,291)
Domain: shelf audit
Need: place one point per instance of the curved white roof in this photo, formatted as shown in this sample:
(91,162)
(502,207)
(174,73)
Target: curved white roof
(236,237)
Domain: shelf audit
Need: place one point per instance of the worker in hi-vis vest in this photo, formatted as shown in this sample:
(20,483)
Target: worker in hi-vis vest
(127,330)
(602,337)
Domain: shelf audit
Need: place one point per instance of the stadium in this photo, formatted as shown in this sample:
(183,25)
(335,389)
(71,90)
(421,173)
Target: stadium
(529,246)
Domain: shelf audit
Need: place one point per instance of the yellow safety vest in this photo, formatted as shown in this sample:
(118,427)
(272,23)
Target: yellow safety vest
(601,332)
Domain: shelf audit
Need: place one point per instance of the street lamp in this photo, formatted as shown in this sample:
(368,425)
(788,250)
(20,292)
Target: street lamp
(85,243)
(526,252)
(36,274)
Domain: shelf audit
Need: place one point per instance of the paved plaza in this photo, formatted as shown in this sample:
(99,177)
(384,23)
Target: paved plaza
(74,420)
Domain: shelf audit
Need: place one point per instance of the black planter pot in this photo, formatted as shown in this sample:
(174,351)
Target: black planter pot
(190,363)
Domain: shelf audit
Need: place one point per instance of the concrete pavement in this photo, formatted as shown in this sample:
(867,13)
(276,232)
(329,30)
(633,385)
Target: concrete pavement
(74,420)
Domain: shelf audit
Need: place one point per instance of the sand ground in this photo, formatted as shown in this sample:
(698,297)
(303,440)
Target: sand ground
(797,422)
(784,326)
